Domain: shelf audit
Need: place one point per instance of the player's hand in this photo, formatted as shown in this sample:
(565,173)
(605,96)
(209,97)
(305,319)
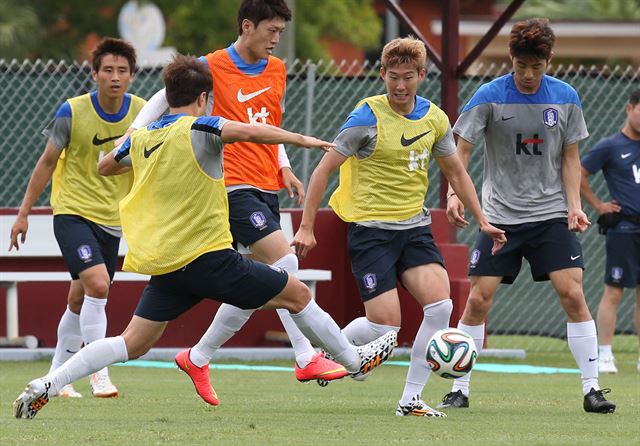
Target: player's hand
(455,212)
(608,207)
(578,221)
(291,182)
(19,228)
(497,234)
(124,137)
(312,142)
(303,242)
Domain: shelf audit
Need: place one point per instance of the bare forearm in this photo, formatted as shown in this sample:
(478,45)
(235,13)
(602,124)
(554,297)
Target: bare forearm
(571,177)
(463,187)
(39,179)
(315,192)
(587,192)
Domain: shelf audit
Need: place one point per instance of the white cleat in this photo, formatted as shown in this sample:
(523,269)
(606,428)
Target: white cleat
(417,408)
(375,353)
(34,397)
(607,365)
(101,386)
(69,392)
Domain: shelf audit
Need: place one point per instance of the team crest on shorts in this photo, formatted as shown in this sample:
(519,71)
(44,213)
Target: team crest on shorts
(616,273)
(475,257)
(370,281)
(258,220)
(550,117)
(85,254)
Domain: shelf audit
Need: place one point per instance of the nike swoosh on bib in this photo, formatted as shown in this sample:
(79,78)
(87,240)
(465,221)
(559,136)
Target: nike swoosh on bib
(246,97)
(148,152)
(625,155)
(98,142)
(407,142)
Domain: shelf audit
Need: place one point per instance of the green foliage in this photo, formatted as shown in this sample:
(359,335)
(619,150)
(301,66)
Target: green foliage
(590,10)
(29,29)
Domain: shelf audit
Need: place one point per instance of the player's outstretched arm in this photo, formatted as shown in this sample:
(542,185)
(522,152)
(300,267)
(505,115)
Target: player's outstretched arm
(40,177)
(151,111)
(109,165)
(268,134)
(304,240)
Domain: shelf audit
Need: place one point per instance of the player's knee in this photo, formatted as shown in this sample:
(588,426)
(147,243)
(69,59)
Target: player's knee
(289,263)
(96,286)
(297,296)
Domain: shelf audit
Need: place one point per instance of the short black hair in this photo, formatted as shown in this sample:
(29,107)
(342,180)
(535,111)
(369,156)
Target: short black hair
(185,78)
(259,10)
(634,97)
(117,47)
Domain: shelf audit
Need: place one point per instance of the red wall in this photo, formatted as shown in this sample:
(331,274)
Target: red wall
(42,304)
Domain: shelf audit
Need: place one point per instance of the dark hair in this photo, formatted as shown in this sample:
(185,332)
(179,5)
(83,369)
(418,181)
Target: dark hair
(532,38)
(184,79)
(259,10)
(117,47)
(634,97)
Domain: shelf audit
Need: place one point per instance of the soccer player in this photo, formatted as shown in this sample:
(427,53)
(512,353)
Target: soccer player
(86,221)
(176,223)
(249,86)
(532,124)
(618,156)
(383,151)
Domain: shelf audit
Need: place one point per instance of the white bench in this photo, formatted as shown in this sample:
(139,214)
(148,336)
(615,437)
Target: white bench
(41,242)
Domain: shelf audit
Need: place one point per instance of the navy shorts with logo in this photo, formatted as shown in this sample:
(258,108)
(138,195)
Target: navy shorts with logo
(83,244)
(225,276)
(380,256)
(253,215)
(623,259)
(548,246)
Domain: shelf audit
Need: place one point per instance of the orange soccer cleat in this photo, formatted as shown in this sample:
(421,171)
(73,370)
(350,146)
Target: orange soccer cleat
(199,376)
(320,368)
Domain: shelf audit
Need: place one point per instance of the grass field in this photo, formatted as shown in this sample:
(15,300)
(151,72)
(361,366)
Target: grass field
(159,406)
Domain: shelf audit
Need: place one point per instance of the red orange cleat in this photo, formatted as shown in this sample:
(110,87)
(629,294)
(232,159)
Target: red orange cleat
(199,376)
(322,368)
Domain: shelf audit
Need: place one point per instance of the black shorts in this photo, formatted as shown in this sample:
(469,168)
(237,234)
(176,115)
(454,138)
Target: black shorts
(225,276)
(623,259)
(253,215)
(380,256)
(83,244)
(548,246)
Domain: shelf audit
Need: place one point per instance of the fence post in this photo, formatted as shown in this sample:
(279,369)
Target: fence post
(308,119)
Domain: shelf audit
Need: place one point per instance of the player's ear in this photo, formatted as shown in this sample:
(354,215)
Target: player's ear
(382,72)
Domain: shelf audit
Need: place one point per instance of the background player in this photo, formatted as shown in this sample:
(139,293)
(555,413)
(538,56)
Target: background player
(532,124)
(249,86)
(383,152)
(618,156)
(85,205)
(183,240)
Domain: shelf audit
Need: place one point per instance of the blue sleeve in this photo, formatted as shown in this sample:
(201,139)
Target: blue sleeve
(597,157)
(209,124)
(123,151)
(64,111)
(203,60)
(362,116)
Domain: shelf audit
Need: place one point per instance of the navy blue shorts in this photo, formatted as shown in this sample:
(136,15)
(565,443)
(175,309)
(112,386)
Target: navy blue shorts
(623,259)
(83,244)
(548,246)
(225,276)
(380,256)
(253,215)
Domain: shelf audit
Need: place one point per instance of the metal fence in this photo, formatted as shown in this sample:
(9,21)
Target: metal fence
(319,97)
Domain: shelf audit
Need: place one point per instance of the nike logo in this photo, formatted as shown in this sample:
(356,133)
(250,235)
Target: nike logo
(69,351)
(246,97)
(506,118)
(148,152)
(593,359)
(625,155)
(574,257)
(407,142)
(98,142)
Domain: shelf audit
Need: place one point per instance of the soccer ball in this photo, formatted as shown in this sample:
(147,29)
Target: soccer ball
(451,353)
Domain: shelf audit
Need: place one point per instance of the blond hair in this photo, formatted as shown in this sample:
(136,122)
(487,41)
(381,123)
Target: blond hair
(406,50)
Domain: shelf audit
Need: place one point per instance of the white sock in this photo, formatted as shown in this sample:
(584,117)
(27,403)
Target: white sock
(93,321)
(477,333)
(605,352)
(69,339)
(227,321)
(436,317)
(320,328)
(302,348)
(361,331)
(583,343)
(88,360)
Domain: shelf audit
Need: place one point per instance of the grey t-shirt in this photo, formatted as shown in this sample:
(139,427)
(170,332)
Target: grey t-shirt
(525,136)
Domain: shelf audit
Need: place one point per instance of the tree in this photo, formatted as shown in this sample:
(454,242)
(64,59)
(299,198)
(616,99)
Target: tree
(590,10)
(19,29)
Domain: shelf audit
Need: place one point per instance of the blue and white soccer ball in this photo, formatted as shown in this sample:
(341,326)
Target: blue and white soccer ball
(451,353)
